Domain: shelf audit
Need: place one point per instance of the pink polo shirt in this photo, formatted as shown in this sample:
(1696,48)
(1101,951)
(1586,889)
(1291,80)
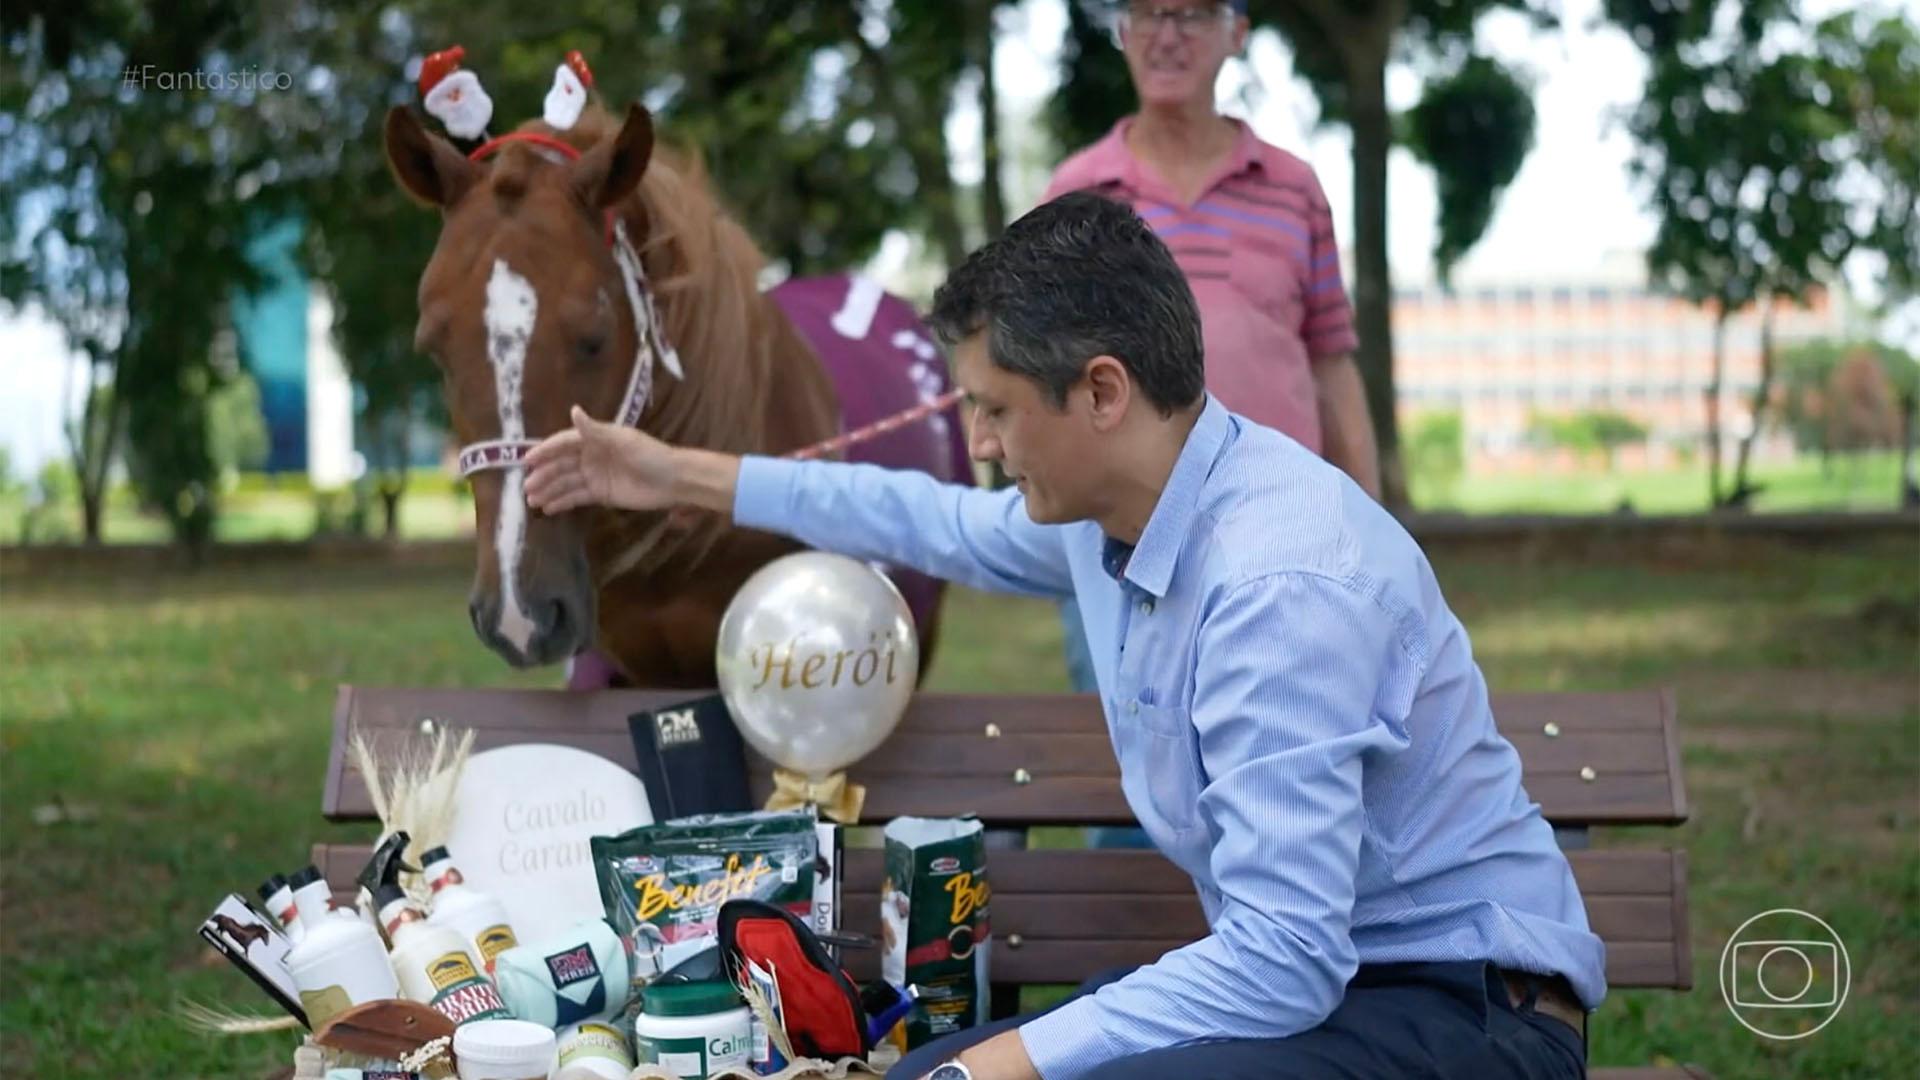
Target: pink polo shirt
(1257,248)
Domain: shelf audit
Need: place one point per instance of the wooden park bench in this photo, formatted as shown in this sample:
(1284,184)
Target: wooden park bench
(1024,762)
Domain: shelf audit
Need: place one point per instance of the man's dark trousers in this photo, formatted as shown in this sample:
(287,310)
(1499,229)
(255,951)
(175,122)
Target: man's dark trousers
(1398,1020)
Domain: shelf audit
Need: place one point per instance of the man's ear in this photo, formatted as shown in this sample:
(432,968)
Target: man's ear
(1109,389)
(427,166)
(612,169)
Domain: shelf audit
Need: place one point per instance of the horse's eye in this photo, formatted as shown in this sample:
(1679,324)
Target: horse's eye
(591,346)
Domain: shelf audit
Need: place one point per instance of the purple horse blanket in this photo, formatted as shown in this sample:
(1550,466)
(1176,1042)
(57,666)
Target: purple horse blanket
(882,361)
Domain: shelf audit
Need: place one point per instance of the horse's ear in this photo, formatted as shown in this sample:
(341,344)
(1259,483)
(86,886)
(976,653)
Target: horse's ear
(426,165)
(612,169)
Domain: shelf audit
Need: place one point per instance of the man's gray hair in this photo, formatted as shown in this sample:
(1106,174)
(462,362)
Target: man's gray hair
(1079,277)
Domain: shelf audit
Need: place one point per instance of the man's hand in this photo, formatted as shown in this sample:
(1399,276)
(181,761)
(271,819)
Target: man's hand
(600,464)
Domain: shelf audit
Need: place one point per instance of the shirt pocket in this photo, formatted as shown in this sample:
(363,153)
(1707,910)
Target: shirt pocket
(1263,273)
(1165,779)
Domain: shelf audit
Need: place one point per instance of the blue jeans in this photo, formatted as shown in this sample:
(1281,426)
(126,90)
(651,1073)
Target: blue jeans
(1080,673)
(1439,1020)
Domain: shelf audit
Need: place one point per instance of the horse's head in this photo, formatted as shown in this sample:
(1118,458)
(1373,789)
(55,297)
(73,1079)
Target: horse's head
(529,306)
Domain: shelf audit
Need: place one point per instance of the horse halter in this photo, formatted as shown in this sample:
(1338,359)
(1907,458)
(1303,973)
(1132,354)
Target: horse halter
(510,453)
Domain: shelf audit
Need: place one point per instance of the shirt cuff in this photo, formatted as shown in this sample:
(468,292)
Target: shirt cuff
(1069,1042)
(764,491)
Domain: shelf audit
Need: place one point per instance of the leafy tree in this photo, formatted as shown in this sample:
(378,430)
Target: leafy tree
(1436,456)
(137,154)
(1862,407)
(1756,153)
(1613,430)
(1565,431)
(51,490)
(1600,431)
(236,429)
(1474,125)
(1464,128)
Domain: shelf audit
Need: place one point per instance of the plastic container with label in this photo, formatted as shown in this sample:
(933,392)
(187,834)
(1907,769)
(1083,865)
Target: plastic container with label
(693,1029)
(504,1050)
(593,1051)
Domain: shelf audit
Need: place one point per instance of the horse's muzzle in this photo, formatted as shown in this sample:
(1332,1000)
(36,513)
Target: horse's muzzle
(547,629)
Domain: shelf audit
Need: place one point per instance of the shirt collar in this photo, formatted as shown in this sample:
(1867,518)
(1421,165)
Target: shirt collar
(1151,566)
(1113,161)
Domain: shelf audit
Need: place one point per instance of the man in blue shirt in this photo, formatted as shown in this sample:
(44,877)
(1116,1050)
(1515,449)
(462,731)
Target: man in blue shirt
(1298,717)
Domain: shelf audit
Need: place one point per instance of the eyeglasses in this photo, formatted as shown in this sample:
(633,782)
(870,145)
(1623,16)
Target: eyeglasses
(1189,21)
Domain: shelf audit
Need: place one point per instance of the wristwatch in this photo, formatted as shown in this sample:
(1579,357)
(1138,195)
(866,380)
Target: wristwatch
(952,1070)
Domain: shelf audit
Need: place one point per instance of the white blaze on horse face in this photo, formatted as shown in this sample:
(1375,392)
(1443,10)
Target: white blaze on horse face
(511,308)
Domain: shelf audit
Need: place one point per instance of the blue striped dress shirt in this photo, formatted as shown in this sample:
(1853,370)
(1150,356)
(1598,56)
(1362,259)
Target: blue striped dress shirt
(1298,717)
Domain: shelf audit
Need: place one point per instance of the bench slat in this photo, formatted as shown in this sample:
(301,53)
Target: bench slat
(942,763)
(1079,912)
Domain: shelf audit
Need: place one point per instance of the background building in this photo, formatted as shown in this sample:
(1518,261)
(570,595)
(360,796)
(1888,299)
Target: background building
(1502,351)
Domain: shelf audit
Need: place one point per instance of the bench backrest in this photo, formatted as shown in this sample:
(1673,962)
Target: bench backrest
(1018,761)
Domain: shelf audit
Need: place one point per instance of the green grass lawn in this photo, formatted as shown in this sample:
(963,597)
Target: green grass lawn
(260,510)
(1868,481)
(181,723)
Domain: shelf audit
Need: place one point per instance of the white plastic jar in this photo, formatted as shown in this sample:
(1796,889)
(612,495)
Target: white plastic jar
(504,1050)
(693,1029)
(593,1051)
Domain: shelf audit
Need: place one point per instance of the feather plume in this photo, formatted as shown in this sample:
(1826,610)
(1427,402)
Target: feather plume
(414,789)
(212,1021)
(763,1011)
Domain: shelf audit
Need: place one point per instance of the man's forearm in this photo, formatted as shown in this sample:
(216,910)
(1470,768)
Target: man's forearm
(1345,425)
(1003,1057)
(706,479)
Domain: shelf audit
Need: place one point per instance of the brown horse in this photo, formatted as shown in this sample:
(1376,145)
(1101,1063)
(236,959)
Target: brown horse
(241,934)
(534,301)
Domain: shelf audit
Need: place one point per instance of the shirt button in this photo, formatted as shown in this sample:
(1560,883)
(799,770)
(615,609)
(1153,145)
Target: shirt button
(1133,708)
(1146,607)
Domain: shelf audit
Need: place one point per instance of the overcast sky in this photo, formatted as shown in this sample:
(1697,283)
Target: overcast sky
(1570,210)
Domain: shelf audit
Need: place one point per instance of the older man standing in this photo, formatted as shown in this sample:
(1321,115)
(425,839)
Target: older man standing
(1248,225)
(1251,230)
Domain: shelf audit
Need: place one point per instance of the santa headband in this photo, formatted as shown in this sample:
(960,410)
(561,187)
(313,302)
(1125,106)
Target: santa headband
(455,97)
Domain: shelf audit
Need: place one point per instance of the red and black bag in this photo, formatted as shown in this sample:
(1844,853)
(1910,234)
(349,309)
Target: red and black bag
(820,1005)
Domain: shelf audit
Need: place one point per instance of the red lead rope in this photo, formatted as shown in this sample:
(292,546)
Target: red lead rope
(878,427)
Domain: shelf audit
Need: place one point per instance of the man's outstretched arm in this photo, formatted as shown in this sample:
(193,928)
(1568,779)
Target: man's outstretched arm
(979,538)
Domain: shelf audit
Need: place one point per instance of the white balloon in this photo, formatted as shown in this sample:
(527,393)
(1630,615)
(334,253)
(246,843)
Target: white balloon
(817,658)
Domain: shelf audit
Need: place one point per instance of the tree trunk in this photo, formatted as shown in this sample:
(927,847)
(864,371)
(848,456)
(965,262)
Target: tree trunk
(390,510)
(1743,488)
(1713,406)
(1909,485)
(1372,277)
(91,447)
(993,205)
(92,511)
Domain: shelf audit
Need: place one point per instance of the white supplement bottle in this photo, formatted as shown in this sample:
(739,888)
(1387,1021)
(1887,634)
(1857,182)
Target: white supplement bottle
(433,963)
(340,962)
(693,1029)
(480,918)
(278,896)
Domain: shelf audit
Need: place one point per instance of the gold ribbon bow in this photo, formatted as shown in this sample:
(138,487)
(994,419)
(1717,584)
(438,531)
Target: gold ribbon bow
(835,796)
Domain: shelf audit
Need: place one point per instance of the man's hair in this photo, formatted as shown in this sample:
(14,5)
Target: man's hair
(1079,277)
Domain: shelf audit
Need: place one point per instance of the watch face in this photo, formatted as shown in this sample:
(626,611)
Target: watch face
(950,1071)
